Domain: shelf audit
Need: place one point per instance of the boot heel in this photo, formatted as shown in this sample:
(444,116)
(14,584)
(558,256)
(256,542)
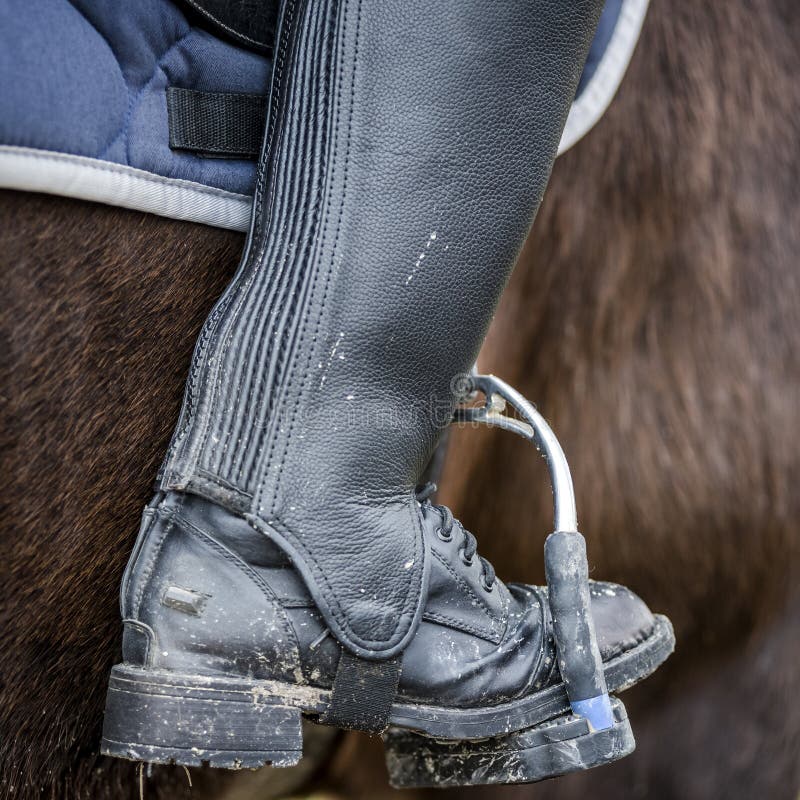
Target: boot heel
(166,718)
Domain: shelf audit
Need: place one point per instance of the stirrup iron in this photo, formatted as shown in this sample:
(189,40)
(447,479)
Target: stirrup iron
(566,565)
(597,731)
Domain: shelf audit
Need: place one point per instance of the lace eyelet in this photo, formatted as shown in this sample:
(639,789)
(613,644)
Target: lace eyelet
(443,536)
(487,587)
(467,562)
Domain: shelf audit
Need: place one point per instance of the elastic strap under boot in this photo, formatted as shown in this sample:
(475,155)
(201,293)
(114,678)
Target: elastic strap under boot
(363,693)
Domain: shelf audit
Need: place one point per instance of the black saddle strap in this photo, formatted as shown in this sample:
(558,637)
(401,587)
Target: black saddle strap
(363,693)
(219,124)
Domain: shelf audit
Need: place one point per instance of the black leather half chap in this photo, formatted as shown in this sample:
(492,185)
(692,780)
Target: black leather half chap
(407,149)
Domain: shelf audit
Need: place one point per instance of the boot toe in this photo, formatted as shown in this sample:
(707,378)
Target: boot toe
(621,618)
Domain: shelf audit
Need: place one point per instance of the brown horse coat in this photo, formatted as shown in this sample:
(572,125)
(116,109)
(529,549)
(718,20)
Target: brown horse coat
(653,318)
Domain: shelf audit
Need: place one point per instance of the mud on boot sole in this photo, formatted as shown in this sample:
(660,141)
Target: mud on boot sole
(562,745)
(152,718)
(236,722)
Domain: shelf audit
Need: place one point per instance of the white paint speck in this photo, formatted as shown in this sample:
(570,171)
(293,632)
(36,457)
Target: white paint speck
(330,358)
(421,257)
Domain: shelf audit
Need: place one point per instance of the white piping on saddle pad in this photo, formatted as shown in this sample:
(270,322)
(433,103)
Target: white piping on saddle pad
(599,92)
(33,170)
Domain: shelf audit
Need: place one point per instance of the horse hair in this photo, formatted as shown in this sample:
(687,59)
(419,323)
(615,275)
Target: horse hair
(653,318)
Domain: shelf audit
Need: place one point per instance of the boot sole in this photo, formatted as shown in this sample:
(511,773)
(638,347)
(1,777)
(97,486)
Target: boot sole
(565,744)
(166,717)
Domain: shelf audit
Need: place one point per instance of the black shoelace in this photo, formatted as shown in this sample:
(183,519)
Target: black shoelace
(469,546)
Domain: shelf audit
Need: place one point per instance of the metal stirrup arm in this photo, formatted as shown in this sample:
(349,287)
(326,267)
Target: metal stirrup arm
(535,429)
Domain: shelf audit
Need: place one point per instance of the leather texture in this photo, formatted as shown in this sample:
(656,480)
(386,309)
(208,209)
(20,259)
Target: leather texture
(256,619)
(249,23)
(408,146)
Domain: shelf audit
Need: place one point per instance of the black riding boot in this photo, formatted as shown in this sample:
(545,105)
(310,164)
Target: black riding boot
(287,565)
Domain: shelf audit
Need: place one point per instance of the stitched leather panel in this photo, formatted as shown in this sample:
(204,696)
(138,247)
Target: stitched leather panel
(260,642)
(399,185)
(243,21)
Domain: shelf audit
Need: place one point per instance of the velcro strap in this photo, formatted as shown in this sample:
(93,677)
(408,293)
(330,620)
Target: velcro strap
(363,693)
(220,124)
